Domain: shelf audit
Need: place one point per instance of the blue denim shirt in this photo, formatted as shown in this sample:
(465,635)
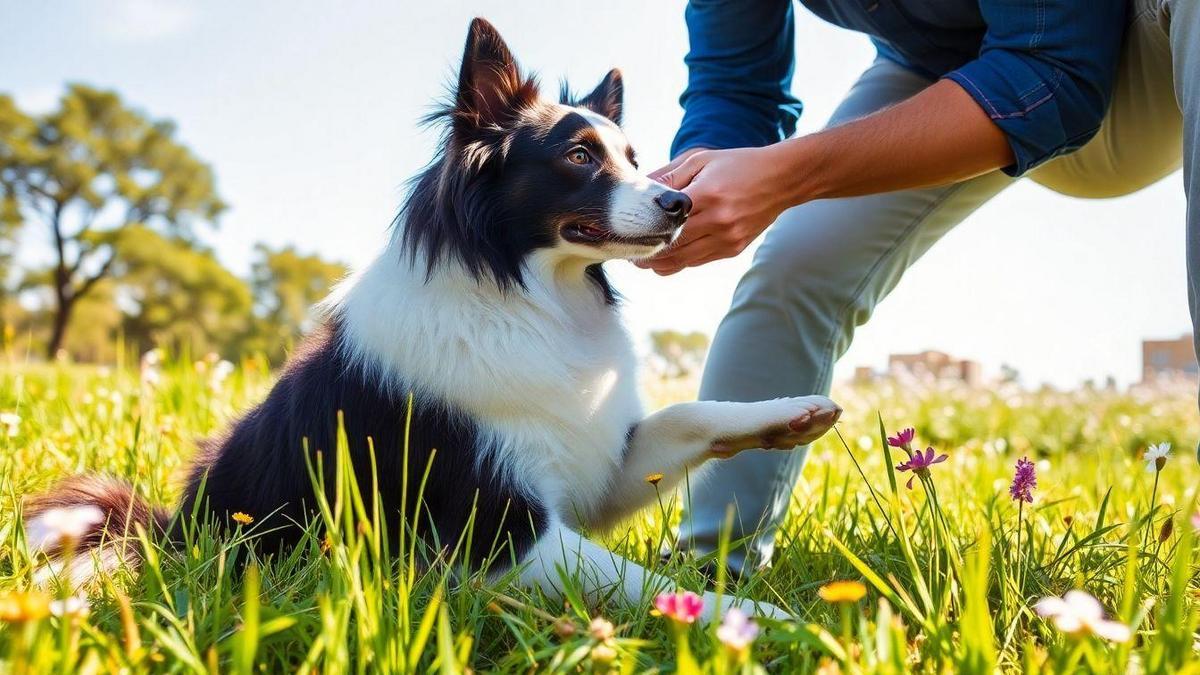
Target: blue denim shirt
(1042,70)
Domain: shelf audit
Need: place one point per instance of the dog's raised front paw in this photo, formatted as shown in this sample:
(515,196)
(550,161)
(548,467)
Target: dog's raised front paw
(781,424)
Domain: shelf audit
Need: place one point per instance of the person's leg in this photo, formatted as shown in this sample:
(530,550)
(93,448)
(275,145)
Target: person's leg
(1185,55)
(820,271)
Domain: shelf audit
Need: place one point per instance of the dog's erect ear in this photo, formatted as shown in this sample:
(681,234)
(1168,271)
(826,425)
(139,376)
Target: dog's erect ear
(607,97)
(490,86)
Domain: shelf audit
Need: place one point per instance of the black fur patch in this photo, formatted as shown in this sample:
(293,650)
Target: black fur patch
(259,467)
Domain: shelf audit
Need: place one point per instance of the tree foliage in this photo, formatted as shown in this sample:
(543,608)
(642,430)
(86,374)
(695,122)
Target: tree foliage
(286,285)
(89,171)
(679,354)
(122,201)
(177,294)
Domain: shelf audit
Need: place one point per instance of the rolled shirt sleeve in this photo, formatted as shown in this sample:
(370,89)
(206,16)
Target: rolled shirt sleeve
(1045,73)
(739,75)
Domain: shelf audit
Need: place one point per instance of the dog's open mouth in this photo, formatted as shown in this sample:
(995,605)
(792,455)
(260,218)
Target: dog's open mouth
(589,234)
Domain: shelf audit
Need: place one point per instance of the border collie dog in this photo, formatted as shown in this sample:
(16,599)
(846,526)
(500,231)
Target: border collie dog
(491,308)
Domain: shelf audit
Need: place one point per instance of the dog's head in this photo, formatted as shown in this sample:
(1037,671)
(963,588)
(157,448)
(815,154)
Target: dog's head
(519,174)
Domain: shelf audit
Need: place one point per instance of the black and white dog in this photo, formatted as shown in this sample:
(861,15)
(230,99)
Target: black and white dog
(489,306)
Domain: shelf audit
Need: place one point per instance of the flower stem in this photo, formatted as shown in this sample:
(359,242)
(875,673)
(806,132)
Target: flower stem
(1150,516)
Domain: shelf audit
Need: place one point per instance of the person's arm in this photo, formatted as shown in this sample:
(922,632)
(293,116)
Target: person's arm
(1012,108)
(739,75)
(938,136)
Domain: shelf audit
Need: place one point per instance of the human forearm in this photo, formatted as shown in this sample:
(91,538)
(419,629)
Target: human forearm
(937,137)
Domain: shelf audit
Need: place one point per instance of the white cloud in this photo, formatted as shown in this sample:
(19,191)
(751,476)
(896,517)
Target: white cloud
(146,20)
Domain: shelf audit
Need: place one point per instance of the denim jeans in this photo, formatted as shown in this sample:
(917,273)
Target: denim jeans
(823,266)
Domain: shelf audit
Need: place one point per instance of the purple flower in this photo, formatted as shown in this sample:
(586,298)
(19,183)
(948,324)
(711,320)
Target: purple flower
(919,464)
(903,439)
(1024,481)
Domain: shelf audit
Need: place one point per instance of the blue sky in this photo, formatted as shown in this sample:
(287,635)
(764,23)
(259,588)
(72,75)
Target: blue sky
(308,113)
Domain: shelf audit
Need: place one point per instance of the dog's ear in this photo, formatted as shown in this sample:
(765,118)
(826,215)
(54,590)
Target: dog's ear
(490,85)
(606,99)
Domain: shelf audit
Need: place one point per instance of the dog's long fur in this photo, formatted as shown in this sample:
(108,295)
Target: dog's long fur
(491,308)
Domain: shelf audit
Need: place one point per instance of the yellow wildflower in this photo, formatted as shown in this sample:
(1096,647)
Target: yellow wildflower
(16,606)
(842,591)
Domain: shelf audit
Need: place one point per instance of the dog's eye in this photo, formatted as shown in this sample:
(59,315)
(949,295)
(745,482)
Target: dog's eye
(579,156)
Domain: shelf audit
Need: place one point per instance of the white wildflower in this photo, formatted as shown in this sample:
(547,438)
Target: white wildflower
(11,423)
(74,606)
(54,527)
(1156,457)
(1078,613)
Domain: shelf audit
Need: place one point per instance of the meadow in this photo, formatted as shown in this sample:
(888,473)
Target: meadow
(946,576)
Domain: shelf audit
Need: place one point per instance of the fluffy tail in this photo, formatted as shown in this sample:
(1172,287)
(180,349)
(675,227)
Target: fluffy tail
(88,525)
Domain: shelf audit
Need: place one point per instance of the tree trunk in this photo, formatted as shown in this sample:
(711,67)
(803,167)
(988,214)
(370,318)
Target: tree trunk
(62,315)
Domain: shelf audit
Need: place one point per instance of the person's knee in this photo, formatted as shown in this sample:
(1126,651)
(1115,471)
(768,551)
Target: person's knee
(795,279)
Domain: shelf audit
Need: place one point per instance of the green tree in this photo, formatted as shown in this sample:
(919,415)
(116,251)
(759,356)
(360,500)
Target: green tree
(88,171)
(286,285)
(16,138)
(177,294)
(680,353)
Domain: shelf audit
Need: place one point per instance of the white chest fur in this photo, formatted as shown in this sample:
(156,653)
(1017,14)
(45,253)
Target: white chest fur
(547,372)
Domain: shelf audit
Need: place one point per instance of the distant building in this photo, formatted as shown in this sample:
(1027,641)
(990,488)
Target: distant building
(1168,358)
(864,374)
(939,365)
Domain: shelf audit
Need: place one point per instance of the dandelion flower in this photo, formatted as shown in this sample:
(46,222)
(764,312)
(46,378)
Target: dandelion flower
(1024,481)
(737,630)
(1156,457)
(243,518)
(682,607)
(654,478)
(903,439)
(919,464)
(842,591)
(61,525)
(18,607)
(1078,613)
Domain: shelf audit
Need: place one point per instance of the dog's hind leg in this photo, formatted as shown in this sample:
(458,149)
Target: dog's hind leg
(683,436)
(563,556)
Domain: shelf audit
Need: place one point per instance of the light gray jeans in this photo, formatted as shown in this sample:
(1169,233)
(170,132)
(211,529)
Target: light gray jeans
(824,266)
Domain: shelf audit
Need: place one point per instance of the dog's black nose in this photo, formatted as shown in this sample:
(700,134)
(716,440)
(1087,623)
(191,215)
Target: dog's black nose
(674,203)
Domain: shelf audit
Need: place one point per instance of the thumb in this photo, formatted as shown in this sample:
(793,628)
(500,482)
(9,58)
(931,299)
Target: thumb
(681,176)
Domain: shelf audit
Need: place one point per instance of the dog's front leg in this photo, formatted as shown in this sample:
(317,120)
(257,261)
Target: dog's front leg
(682,436)
(563,556)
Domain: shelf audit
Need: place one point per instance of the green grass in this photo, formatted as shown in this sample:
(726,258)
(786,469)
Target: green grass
(949,588)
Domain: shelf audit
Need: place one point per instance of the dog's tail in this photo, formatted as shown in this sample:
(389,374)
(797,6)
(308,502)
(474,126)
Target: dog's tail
(88,525)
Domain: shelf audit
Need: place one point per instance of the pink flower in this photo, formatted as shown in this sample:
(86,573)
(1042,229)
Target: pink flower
(684,606)
(1196,521)
(919,464)
(903,439)
(737,631)
(1024,481)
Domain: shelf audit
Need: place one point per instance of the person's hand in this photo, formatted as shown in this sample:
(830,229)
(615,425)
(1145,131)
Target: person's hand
(735,195)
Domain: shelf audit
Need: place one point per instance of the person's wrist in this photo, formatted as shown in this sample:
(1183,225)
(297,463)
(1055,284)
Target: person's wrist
(800,166)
